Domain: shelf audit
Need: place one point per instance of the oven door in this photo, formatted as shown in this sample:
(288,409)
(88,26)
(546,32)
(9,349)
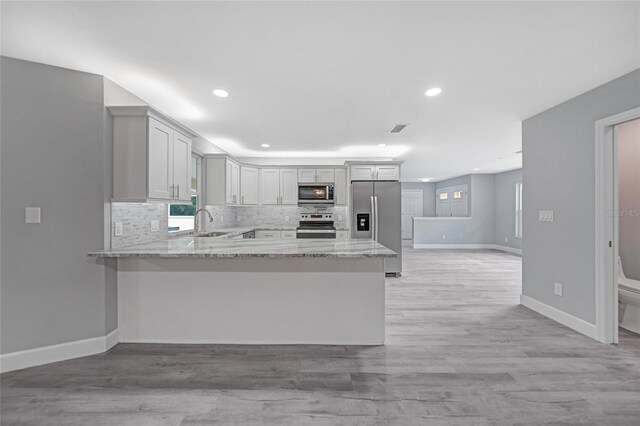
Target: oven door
(315,194)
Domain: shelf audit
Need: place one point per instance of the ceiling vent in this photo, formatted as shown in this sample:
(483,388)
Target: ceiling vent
(398,128)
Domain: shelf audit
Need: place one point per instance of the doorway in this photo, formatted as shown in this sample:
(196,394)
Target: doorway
(608,224)
(412,204)
(627,151)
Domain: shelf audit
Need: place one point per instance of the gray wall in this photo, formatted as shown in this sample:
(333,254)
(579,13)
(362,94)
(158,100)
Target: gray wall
(505,206)
(478,229)
(428,195)
(558,173)
(628,139)
(53,157)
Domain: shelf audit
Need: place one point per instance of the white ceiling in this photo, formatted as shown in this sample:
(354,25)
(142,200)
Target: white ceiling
(330,79)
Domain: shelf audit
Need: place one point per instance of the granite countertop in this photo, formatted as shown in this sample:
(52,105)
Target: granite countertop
(218,247)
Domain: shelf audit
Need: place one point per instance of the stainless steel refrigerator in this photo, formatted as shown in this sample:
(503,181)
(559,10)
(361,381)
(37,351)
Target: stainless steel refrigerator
(375,214)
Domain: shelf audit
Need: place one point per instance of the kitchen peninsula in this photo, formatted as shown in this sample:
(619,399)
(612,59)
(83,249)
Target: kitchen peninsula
(198,289)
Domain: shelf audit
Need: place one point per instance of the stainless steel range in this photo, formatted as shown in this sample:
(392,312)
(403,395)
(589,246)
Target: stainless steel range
(316,225)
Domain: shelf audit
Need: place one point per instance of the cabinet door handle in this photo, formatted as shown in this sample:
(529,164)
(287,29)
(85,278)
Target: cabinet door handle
(172,191)
(177,191)
(242,200)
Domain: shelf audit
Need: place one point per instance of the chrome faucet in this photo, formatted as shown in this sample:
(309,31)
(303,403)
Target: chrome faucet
(195,219)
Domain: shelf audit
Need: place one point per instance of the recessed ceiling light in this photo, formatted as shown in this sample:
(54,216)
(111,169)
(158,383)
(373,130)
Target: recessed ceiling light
(221,93)
(425,179)
(265,145)
(382,144)
(434,91)
(476,169)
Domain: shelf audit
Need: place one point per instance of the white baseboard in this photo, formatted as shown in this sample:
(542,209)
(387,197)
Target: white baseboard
(507,249)
(563,318)
(452,246)
(469,247)
(54,353)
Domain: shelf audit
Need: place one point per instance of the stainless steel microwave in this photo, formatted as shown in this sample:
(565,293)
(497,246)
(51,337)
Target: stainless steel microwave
(315,193)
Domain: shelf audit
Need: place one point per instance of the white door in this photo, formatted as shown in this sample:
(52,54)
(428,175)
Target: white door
(390,172)
(289,186)
(443,203)
(411,207)
(306,175)
(270,186)
(160,160)
(325,175)
(182,166)
(459,201)
(340,188)
(362,172)
(248,185)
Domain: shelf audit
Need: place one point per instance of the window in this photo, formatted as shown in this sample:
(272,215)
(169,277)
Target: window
(519,210)
(457,194)
(444,196)
(181,215)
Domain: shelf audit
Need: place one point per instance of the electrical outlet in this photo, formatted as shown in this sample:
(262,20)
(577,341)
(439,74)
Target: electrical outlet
(155,225)
(32,215)
(444,237)
(506,239)
(238,218)
(117,229)
(286,218)
(339,217)
(557,289)
(545,215)
(221,218)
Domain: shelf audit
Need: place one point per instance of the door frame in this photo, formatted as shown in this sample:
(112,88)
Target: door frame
(421,192)
(606,241)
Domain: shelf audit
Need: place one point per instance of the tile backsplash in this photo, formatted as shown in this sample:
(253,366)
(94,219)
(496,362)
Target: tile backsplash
(284,216)
(136,222)
(136,219)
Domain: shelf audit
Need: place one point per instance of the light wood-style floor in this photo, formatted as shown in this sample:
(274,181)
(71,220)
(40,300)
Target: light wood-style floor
(460,351)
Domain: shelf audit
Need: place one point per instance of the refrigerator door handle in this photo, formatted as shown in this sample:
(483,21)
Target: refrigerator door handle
(375,217)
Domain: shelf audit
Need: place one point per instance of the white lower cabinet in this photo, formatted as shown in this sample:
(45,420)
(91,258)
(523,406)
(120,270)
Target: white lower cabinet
(342,235)
(288,235)
(270,235)
(276,235)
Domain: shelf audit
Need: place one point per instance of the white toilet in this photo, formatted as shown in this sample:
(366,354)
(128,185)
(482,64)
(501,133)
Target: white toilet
(628,301)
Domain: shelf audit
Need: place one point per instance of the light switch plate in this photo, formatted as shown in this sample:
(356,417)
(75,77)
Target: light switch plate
(444,237)
(557,289)
(545,216)
(339,217)
(117,229)
(155,225)
(32,215)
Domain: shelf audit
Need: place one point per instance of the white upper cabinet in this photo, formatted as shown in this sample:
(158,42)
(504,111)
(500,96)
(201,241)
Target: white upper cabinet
(160,160)
(182,166)
(151,156)
(279,186)
(306,175)
(223,181)
(374,171)
(340,188)
(323,175)
(390,172)
(289,186)
(362,172)
(248,185)
(269,186)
